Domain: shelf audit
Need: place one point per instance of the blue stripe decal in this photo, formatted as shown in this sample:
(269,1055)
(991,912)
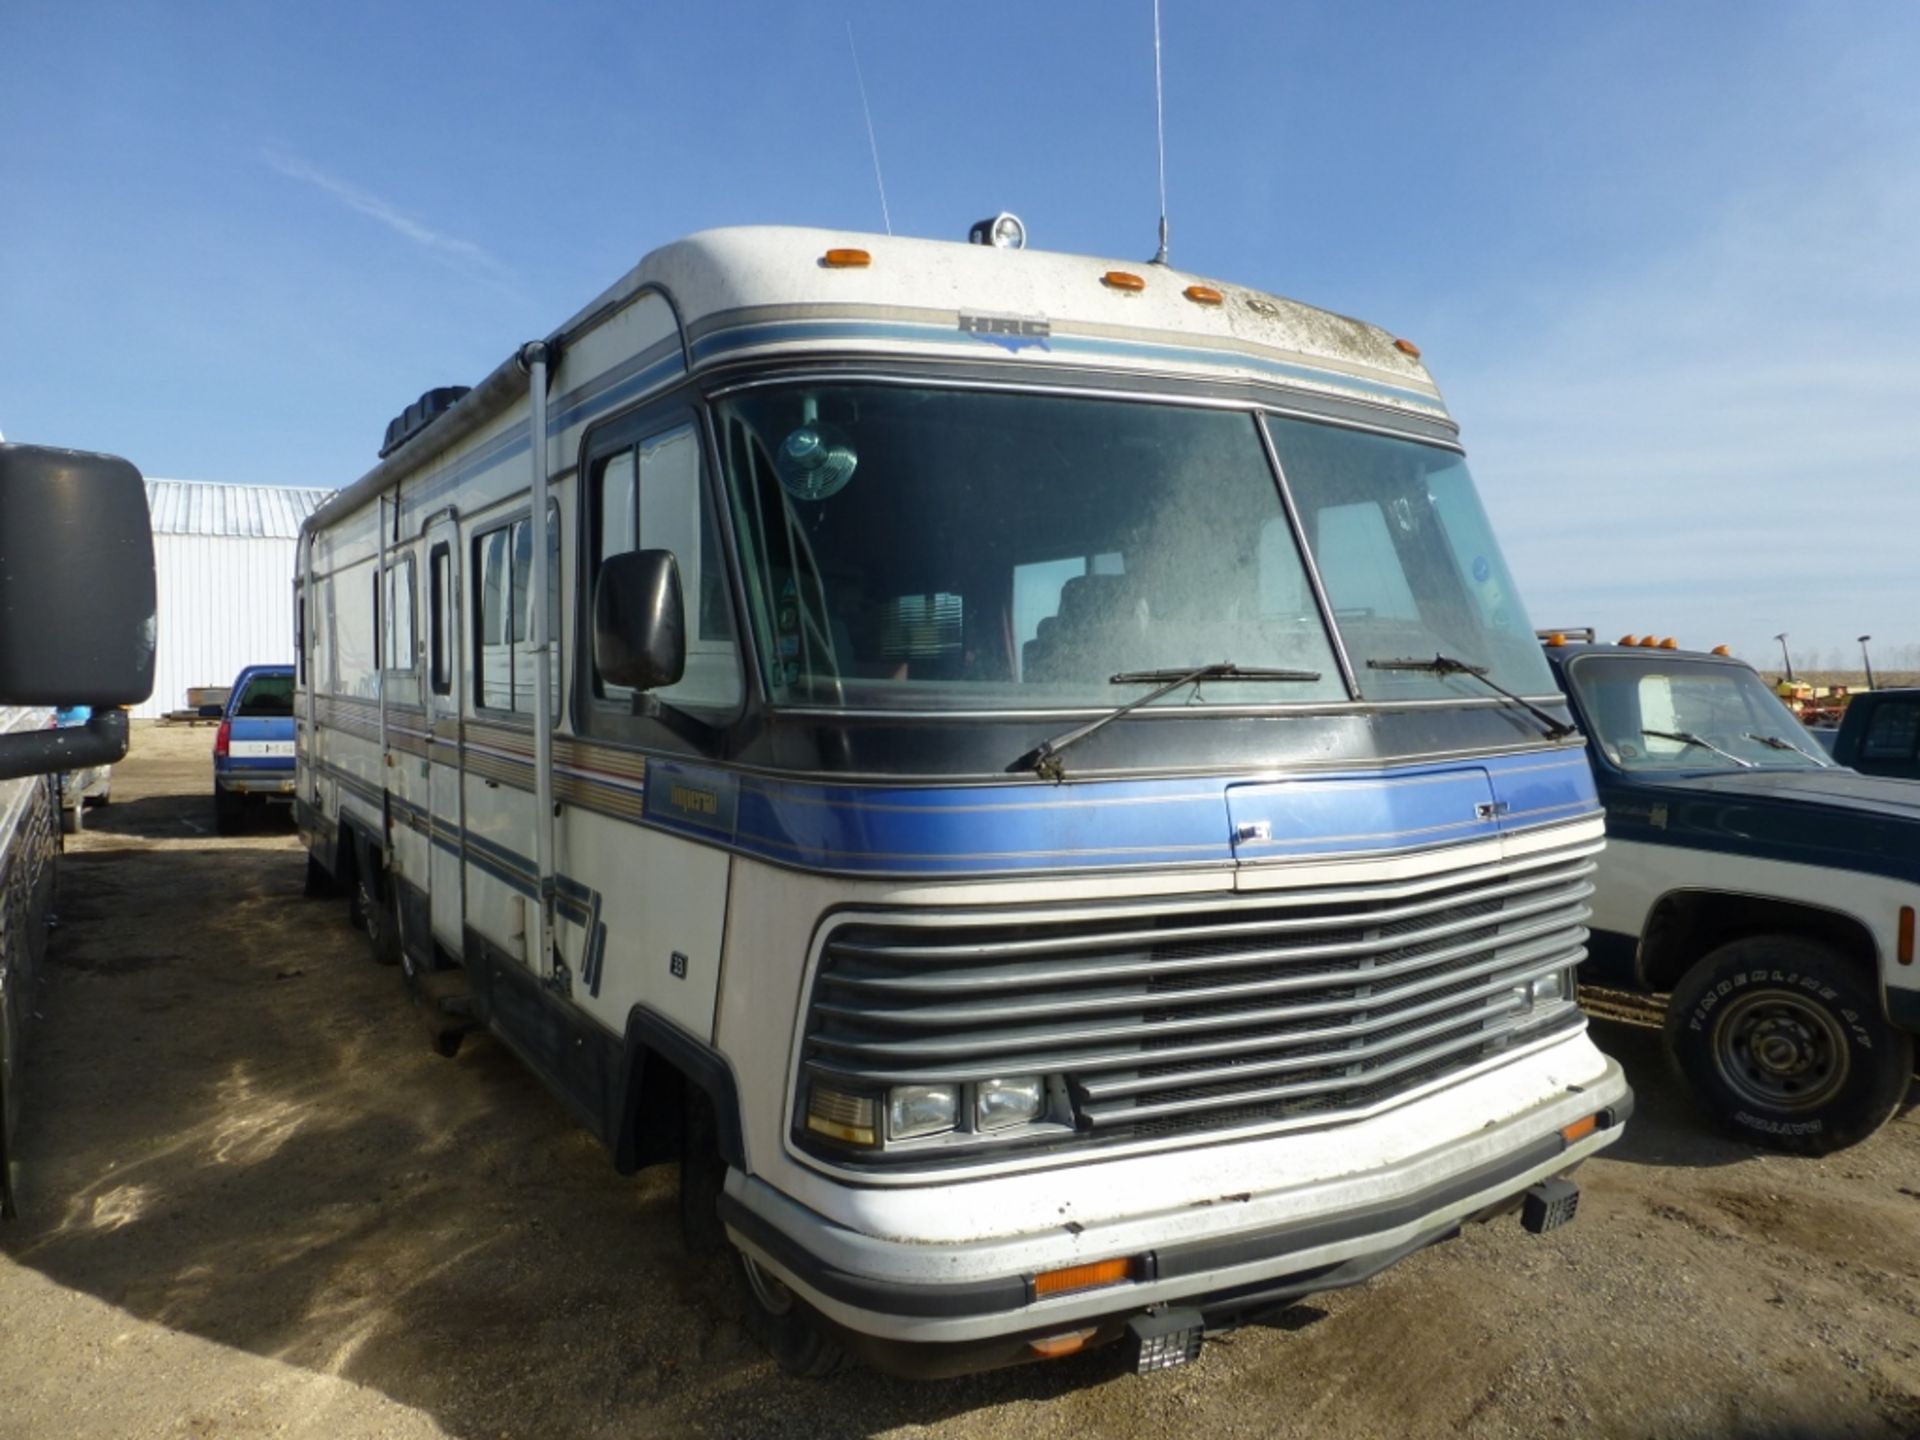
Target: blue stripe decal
(746,337)
(1032,828)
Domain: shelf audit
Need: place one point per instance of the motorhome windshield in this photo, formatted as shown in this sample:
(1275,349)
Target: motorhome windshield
(923,548)
(1409,563)
(1673,715)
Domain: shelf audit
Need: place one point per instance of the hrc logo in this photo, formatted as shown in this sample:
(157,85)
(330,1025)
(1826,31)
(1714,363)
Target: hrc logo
(1005,330)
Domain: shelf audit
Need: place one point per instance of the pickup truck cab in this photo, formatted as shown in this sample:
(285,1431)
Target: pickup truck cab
(1880,734)
(253,748)
(1768,892)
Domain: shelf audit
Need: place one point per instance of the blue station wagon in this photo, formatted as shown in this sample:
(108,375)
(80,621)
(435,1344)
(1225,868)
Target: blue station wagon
(253,748)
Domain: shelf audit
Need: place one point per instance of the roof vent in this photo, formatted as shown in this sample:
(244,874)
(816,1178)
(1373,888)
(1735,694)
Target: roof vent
(422,413)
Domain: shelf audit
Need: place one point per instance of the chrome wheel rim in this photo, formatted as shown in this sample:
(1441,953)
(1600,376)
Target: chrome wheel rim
(1776,1049)
(774,1297)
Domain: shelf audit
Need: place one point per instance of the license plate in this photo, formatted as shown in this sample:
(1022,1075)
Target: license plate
(260,749)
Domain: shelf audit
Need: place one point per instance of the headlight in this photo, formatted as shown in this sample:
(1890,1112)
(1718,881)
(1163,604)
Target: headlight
(914,1110)
(1000,1103)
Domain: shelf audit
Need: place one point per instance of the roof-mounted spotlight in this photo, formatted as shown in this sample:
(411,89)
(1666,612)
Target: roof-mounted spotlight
(1004,232)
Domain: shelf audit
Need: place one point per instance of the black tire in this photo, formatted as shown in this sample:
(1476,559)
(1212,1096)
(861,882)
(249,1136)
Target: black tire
(789,1329)
(1782,1042)
(70,822)
(374,915)
(226,812)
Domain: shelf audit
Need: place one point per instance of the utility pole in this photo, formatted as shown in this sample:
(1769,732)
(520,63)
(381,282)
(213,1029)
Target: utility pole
(1866,659)
(1782,638)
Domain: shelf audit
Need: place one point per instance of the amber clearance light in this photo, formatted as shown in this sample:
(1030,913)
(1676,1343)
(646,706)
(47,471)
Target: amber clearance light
(1203,295)
(1122,280)
(846,259)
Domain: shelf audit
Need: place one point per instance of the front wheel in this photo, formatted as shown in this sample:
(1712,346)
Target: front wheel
(789,1328)
(1783,1043)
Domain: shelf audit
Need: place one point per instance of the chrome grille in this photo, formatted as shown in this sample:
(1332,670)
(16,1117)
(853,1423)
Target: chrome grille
(1207,1014)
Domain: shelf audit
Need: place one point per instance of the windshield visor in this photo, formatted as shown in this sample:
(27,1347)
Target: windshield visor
(1409,562)
(1736,722)
(909,548)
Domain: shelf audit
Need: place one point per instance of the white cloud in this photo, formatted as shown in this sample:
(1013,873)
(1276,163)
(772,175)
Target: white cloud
(395,219)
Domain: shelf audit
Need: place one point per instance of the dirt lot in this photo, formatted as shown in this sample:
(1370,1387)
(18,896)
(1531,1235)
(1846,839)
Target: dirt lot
(255,1204)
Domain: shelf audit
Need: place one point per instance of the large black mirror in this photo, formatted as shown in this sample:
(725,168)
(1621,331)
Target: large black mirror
(76,600)
(639,620)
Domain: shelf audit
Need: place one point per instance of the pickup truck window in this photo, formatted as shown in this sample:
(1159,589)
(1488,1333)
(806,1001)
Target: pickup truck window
(1893,733)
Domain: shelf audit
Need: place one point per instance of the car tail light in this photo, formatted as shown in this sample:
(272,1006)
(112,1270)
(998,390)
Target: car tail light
(222,737)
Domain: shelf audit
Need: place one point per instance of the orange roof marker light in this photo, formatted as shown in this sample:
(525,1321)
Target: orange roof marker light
(1627,639)
(1669,643)
(1721,650)
(1204,295)
(1407,348)
(1122,280)
(1556,639)
(838,259)
(1647,642)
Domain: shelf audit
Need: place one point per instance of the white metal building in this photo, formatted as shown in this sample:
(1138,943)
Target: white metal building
(223,567)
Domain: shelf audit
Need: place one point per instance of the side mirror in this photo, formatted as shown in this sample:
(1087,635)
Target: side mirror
(76,579)
(76,601)
(212,712)
(639,620)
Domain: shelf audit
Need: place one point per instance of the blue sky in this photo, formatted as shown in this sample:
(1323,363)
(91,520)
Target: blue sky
(1661,259)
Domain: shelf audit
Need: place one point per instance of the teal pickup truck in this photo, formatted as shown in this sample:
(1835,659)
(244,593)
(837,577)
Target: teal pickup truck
(1880,734)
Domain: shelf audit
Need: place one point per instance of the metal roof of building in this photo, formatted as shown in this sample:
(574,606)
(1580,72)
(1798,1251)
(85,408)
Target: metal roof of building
(202,507)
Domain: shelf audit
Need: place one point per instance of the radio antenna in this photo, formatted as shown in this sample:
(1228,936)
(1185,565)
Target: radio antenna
(873,144)
(1159,135)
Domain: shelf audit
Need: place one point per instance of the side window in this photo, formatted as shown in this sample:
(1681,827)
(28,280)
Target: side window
(504,671)
(650,497)
(440,619)
(493,644)
(1892,733)
(400,653)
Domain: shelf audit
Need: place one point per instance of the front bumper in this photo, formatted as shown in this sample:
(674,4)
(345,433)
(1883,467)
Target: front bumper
(1268,1248)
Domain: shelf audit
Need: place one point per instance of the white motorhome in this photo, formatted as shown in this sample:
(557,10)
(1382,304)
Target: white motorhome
(1030,779)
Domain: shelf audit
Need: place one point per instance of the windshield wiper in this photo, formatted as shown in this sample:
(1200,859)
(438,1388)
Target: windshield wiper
(1447,665)
(1777,742)
(1689,739)
(1044,758)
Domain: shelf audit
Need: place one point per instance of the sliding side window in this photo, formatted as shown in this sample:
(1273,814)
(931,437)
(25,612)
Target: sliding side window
(504,668)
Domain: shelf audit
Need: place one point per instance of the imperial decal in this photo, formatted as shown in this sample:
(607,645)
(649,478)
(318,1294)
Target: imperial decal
(1005,330)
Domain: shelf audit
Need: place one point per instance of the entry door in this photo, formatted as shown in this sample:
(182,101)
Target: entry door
(446,755)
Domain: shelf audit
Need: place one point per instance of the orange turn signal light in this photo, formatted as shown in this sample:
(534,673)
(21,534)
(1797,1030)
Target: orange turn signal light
(1123,280)
(846,259)
(1081,1277)
(1407,348)
(1204,295)
(1579,1129)
(1903,947)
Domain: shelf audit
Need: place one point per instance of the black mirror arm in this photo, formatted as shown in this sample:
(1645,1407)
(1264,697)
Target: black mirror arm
(101,741)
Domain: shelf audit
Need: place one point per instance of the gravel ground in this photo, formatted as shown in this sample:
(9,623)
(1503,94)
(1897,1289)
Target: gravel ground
(256,1204)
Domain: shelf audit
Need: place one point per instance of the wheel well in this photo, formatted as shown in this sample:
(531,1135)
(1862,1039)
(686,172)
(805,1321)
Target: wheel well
(1686,925)
(674,1090)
